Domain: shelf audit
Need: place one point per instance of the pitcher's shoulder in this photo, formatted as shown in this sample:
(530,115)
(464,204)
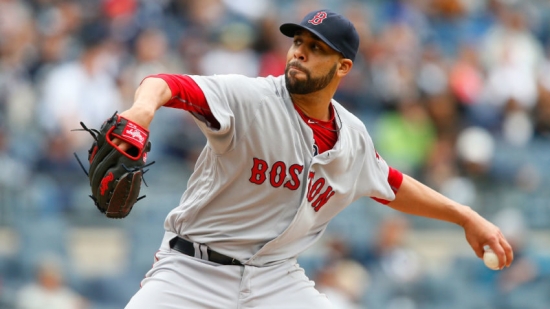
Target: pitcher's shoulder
(267,84)
(272,83)
(240,85)
(348,118)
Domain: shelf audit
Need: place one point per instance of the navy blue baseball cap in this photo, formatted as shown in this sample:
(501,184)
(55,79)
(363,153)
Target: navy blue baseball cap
(332,28)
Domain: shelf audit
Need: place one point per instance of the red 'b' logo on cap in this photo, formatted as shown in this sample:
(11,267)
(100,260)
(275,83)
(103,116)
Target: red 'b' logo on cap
(318,18)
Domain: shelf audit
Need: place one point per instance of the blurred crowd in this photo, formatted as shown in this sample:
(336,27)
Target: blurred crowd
(454,92)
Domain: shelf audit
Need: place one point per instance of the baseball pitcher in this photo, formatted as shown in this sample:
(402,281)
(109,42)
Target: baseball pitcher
(282,158)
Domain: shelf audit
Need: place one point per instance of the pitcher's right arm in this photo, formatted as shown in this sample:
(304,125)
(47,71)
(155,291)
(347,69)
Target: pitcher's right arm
(170,90)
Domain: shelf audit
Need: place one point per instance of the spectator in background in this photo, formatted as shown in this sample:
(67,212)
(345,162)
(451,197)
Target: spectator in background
(355,91)
(10,165)
(466,76)
(150,55)
(392,66)
(268,44)
(206,15)
(510,42)
(433,84)
(394,266)
(233,53)
(389,252)
(49,290)
(475,148)
(542,109)
(441,165)
(191,47)
(344,282)
(57,26)
(57,174)
(466,85)
(406,136)
(511,56)
(82,90)
(223,38)
(16,53)
(16,35)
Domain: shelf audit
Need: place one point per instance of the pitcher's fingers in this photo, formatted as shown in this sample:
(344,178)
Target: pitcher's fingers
(123,146)
(478,249)
(494,244)
(497,248)
(508,250)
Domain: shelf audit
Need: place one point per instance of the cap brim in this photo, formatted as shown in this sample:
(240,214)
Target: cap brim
(289,29)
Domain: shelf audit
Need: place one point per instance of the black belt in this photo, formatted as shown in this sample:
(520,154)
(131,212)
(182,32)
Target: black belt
(186,247)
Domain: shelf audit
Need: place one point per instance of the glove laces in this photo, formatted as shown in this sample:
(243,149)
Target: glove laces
(94,133)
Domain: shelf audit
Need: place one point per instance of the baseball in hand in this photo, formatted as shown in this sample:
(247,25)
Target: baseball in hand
(490,259)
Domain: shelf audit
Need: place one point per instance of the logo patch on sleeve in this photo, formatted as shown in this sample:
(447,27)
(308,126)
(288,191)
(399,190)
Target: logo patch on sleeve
(133,132)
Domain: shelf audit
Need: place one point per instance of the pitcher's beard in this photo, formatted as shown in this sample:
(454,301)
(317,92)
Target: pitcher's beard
(309,85)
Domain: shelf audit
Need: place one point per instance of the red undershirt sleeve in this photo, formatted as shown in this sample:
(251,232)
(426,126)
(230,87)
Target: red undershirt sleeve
(187,95)
(395,178)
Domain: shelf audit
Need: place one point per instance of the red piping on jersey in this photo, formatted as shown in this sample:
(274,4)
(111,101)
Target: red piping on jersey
(395,178)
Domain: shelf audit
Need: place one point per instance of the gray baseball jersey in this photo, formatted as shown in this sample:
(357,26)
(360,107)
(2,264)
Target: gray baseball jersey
(259,193)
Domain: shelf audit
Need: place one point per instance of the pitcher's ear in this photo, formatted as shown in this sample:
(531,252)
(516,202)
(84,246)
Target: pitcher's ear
(345,66)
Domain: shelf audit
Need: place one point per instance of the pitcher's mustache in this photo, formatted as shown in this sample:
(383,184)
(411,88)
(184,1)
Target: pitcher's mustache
(298,65)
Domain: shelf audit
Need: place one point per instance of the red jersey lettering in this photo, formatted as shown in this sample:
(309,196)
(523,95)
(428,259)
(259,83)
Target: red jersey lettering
(277,174)
(318,193)
(258,171)
(315,189)
(294,171)
(322,199)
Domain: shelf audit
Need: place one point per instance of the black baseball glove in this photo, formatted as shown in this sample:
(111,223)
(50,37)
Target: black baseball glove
(115,175)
